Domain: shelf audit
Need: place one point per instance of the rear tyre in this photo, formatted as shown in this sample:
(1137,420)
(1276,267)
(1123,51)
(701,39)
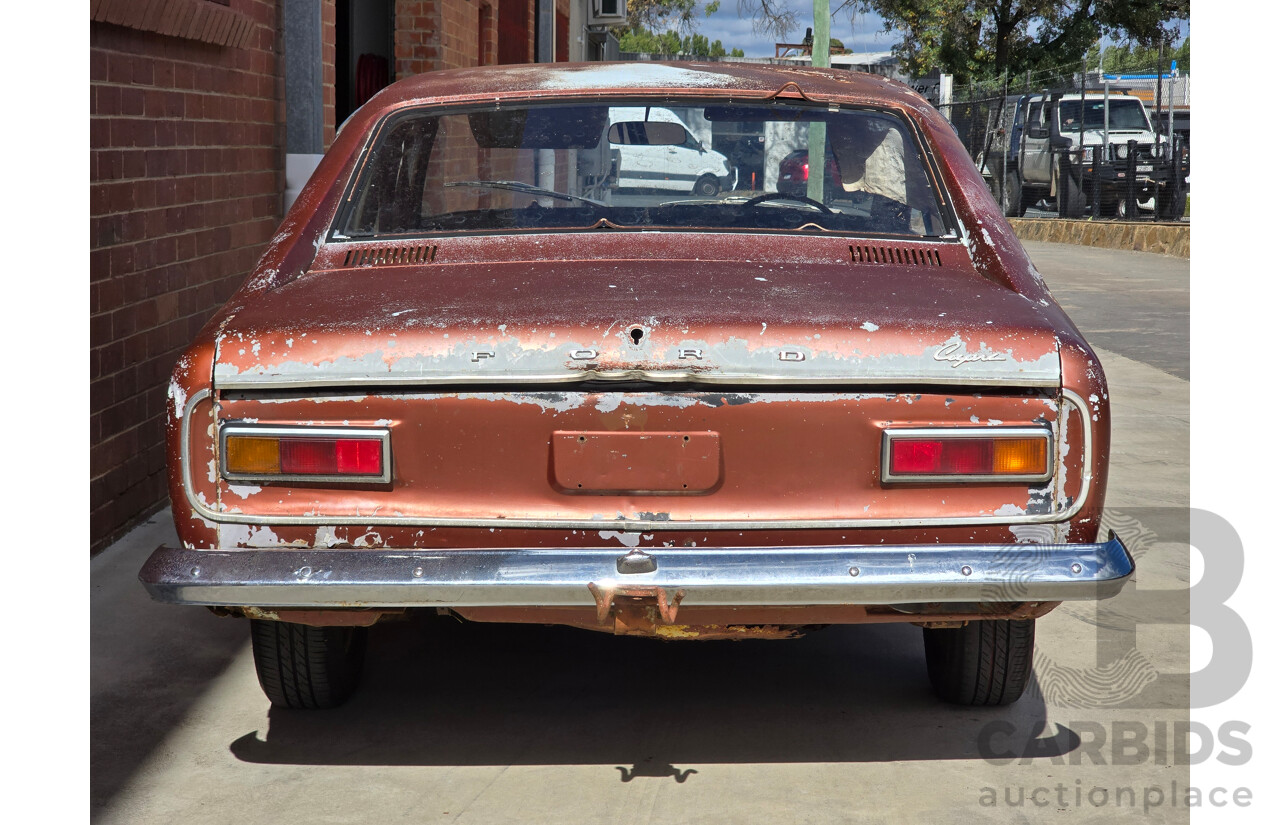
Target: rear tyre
(1109,203)
(1167,206)
(983,663)
(1014,205)
(708,186)
(306,667)
(1070,191)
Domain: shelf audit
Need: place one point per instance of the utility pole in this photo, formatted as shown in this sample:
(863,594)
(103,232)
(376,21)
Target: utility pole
(822,34)
(545,42)
(821,58)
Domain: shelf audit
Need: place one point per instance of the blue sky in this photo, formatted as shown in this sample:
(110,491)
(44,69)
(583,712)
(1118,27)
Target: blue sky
(867,35)
(861,33)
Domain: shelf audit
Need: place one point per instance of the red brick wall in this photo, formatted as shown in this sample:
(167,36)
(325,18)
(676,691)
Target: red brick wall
(187,157)
(448,34)
(329,56)
(186,175)
(460,42)
(487,36)
(417,37)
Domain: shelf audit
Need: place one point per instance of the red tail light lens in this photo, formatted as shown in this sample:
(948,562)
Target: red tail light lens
(327,456)
(961,454)
(805,175)
(264,453)
(956,456)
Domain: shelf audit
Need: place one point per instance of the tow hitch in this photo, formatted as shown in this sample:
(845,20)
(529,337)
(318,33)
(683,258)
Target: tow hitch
(635,607)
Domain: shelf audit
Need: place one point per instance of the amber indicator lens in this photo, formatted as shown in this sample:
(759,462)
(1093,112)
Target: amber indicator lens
(300,456)
(968,456)
(1019,456)
(250,455)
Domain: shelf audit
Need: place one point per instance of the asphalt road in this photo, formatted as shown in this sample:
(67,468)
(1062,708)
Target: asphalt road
(490,724)
(1134,304)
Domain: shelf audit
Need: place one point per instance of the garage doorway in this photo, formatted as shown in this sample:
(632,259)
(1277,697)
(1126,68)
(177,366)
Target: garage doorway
(364,34)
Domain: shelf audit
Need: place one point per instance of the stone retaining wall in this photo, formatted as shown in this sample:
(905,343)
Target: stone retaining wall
(1161,238)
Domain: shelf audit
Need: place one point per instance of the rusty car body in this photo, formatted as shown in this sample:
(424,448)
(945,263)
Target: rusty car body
(471,374)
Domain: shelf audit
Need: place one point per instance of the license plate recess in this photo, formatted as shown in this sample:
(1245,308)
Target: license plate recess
(635,462)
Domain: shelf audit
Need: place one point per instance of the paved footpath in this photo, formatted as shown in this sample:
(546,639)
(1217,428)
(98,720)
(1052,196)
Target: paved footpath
(481,724)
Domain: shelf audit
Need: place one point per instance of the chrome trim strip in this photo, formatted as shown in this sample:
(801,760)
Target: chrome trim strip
(235,427)
(184,455)
(640,524)
(792,576)
(893,433)
(277,382)
(1086,457)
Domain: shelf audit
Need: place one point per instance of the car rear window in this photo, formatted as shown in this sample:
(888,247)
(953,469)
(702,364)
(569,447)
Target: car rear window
(631,165)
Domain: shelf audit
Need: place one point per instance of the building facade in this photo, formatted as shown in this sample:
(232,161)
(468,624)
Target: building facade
(202,114)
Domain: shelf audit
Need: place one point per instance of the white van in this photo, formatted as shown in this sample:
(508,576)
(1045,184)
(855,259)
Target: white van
(685,167)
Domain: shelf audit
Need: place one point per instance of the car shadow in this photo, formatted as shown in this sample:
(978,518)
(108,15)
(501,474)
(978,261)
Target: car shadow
(149,663)
(440,692)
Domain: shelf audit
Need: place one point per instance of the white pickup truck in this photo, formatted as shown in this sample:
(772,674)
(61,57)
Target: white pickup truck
(1043,158)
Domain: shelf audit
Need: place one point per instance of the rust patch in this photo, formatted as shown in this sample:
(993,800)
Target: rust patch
(635,605)
(711,632)
(314,618)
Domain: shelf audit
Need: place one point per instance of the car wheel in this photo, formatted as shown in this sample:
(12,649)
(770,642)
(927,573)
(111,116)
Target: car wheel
(707,186)
(1166,207)
(1109,203)
(306,667)
(982,663)
(1070,191)
(1014,205)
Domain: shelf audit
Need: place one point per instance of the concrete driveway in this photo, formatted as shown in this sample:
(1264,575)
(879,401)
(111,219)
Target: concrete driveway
(474,723)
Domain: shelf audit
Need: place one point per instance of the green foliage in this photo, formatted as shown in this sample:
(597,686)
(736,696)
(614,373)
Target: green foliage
(670,42)
(981,39)
(655,15)
(676,19)
(1134,58)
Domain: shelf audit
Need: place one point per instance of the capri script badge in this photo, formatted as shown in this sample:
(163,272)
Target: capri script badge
(954,354)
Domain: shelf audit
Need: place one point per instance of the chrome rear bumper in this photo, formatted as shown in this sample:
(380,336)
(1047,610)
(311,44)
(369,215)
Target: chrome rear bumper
(770,576)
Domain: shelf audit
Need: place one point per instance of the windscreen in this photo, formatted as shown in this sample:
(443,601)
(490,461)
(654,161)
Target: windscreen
(628,165)
(1125,114)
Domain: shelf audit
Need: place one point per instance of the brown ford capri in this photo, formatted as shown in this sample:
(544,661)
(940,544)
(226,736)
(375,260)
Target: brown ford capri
(531,348)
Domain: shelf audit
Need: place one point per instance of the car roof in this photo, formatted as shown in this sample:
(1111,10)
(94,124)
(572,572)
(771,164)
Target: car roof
(638,78)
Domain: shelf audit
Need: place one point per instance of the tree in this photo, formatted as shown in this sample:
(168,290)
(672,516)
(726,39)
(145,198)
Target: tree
(982,39)
(655,15)
(1136,58)
(670,42)
(1183,55)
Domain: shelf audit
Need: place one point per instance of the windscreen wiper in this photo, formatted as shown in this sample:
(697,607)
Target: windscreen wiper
(524,188)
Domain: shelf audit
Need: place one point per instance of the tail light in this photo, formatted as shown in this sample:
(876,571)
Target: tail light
(254,453)
(967,454)
(805,174)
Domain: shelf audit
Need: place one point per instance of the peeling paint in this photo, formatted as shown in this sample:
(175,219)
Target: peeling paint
(179,397)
